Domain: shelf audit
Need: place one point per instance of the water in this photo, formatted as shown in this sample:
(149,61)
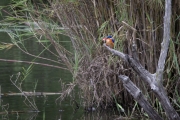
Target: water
(49,80)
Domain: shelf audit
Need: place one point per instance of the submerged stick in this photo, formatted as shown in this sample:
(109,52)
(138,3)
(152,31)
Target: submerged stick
(17,112)
(36,63)
(30,94)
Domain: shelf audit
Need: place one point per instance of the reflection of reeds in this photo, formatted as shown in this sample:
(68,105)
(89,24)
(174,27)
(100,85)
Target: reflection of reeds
(94,69)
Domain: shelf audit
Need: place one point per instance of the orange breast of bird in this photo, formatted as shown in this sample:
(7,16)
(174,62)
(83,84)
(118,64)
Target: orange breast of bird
(109,43)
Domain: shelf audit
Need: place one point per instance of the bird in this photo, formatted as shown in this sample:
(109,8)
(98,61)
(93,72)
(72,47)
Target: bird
(109,41)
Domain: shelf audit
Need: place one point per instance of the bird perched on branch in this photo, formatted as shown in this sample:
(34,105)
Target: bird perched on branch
(109,41)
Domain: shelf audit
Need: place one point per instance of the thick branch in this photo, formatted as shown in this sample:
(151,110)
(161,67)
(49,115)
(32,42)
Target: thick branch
(137,67)
(150,79)
(165,43)
(155,82)
(139,97)
(117,53)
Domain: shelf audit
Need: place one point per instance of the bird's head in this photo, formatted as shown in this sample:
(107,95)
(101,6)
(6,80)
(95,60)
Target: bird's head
(108,37)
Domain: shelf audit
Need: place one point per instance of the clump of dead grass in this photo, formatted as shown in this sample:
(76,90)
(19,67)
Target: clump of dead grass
(99,80)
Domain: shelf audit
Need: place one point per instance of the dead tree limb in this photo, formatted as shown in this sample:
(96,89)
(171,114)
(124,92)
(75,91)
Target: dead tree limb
(165,42)
(149,78)
(155,80)
(139,97)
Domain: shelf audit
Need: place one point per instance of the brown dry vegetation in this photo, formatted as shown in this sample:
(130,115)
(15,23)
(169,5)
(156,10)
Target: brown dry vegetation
(97,72)
(94,69)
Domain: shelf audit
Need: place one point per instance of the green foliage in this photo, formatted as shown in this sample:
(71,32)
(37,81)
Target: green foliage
(6,46)
(26,72)
(119,107)
(174,56)
(76,63)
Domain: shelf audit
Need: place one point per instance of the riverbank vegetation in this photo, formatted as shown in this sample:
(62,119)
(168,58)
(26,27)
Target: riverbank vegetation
(95,70)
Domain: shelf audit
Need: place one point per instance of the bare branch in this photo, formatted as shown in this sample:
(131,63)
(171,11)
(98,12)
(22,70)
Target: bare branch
(165,43)
(115,52)
(139,97)
(134,63)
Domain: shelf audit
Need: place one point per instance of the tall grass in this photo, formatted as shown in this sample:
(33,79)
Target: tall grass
(94,69)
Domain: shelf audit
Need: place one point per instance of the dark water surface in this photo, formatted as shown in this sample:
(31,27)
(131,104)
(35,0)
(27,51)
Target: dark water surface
(48,81)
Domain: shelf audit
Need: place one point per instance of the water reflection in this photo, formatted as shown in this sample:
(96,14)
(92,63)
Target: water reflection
(48,81)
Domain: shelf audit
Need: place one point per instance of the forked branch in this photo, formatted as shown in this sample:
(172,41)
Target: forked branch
(154,80)
(165,42)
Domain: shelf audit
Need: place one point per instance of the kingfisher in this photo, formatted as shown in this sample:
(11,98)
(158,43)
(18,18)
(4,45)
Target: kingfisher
(109,41)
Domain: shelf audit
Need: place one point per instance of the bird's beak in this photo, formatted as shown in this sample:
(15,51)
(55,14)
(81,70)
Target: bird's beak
(104,39)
